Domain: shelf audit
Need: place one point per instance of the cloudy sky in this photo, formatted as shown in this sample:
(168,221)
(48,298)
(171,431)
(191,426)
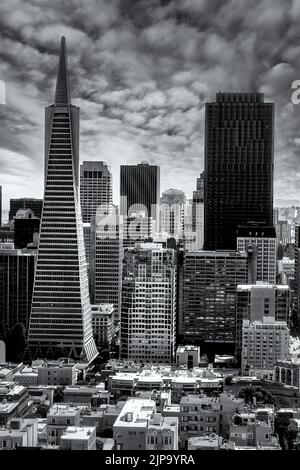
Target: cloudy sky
(141,71)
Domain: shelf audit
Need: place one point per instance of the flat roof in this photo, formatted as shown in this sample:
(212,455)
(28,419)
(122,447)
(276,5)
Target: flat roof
(82,433)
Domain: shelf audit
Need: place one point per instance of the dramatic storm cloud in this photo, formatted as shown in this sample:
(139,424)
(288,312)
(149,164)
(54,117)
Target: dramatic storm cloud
(141,71)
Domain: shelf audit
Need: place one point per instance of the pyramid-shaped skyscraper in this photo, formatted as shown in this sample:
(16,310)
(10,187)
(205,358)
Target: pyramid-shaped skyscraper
(61,311)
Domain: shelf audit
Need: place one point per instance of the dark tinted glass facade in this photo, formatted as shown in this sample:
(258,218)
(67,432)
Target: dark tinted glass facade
(35,205)
(140,184)
(238,189)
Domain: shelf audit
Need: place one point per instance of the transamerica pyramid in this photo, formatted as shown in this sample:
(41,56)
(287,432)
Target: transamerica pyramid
(61,313)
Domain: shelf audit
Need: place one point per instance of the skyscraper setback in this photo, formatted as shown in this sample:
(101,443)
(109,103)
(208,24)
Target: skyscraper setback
(238,186)
(61,311)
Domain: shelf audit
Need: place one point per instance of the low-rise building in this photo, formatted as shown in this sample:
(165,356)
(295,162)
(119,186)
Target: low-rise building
(287,372)
(19,433)
(199,415)
(14,402)
(188,356)
(27,376)
(162,433)
(78,438)
(209,441)
(57,373)
(130,428)
(246,430)
(104,418)
(59,418)
(179,381)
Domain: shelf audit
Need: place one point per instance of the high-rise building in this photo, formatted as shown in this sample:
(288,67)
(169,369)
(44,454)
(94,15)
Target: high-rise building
(0,206)
(254,302)
(148,309)
(171,213)
(106,261)
(209,296)
(35,205)
(16,285)
(95,189)
(265,239)
(140,189)
(25,227)
(61,312)
(263,343)
(297,274)
(238,189)
(198,212)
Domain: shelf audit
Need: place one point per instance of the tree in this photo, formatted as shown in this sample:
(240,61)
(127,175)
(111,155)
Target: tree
(292,433)
(16,343)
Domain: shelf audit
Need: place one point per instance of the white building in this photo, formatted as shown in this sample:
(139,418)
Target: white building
(78,438)
(148,311)
(263,343)
(130,429)
(171,212)
(162,433)
(19,433)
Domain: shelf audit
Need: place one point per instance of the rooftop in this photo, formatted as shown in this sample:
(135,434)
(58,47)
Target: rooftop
(82,433)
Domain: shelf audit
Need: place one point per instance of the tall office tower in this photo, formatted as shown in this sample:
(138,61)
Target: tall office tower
(140,190)
(297,275)
(198,212)
(0,206)
(254,302)
(283,232)
(148,310)
(61,312)
(36,205)
(265,239)
(264,343)
(95,189)
(238,170)
(16,285)
(209,295)
(25,227)
(171,213)
(106,261)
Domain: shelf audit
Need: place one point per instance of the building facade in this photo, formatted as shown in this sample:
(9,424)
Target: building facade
(148,310)
(16,286)
(209,296)
(140,189)
(238,166)
(265,240)
(61,312)
(171,213)
(255,302)
(263,343)
(35,205)
(95,189)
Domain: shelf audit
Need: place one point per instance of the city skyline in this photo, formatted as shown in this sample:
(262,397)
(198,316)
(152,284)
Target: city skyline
(141,76)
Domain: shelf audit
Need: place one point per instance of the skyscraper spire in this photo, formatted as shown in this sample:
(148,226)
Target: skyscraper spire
(62,92)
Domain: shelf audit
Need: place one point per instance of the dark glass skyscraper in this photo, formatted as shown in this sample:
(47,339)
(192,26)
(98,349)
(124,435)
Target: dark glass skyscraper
(16,284)
(139,189)
(238,188)
(61,312)
(35,205)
